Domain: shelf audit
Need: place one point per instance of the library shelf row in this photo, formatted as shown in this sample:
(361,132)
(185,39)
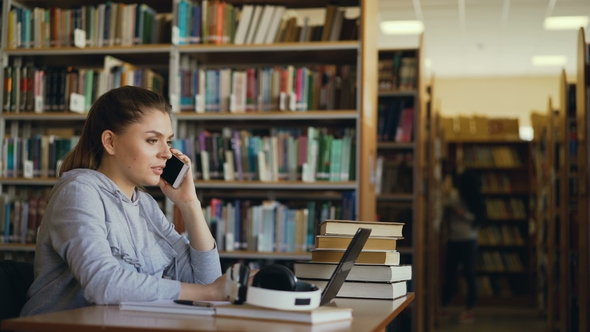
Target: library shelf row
(400,141)
(564,290)
(504,169)
(166,59)
(203,48)
(562,209)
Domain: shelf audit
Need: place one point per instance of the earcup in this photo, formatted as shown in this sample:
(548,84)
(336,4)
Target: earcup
(243,283)
(277,277)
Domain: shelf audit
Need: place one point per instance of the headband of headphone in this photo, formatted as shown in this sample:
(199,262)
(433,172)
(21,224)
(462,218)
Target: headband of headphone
(274,286)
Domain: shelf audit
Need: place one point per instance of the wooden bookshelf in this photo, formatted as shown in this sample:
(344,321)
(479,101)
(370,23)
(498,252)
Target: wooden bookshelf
(571,251)
(403,157)
(582,117)
(562,208)
(544,147)
(507,187)
(17,247)
(552,145)
(433,214)
(165,57)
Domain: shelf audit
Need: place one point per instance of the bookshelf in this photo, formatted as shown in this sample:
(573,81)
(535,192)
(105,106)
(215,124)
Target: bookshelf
(544,147)
(506,255)
(561,229)
(572,224)
(401,148)
(39,79)
(165,56)
(289,192)
(433,216)
(551,215)
(582,117)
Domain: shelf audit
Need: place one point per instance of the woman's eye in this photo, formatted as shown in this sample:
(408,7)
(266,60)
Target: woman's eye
(152,141)
(169,143)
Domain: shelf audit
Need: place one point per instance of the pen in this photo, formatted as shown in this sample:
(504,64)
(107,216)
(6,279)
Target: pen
(195,303)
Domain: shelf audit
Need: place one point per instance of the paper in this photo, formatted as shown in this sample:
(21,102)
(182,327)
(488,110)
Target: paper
(168,306)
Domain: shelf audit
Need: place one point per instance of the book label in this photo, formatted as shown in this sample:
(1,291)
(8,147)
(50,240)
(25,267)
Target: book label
(199,104)
(228,174)
(175,102)
(283,101)
(38,104)
(28,169)
(77,102)
(175,35)
(232,103)
(79,38)
(292,101)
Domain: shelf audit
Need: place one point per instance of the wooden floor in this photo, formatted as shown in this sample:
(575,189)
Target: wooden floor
(496,319)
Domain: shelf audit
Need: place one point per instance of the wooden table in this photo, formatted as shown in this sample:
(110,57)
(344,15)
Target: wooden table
(369,315)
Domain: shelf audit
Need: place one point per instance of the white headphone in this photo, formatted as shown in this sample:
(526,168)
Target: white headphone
(274,286)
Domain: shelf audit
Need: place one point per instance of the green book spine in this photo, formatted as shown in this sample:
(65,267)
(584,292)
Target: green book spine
(335,160)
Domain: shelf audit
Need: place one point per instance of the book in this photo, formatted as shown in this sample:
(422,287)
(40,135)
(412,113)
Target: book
(342,241)
(264,24)
(322,314)
(376,273)
(387,257)
(244,24)
(348,227)
(169,306)
(367,290)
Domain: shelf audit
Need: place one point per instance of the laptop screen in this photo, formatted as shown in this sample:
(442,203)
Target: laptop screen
(345,265)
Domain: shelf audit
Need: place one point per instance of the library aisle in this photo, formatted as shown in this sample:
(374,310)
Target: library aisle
(492,319)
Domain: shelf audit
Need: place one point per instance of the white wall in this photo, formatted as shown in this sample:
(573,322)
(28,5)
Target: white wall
(497,96)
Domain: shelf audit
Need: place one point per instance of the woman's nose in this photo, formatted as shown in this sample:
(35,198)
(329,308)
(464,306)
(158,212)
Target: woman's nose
(166,153)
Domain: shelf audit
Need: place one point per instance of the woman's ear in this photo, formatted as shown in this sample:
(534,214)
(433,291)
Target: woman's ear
(108,141)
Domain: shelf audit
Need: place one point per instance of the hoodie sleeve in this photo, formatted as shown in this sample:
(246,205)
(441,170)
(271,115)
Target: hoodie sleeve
(78,233)
(201,267)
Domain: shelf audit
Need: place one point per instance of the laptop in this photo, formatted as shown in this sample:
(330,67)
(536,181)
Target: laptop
(345,265)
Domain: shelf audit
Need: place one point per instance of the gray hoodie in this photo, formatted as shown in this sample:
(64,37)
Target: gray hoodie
(95,246)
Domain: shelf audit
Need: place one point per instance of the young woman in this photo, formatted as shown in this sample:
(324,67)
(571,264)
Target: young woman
(102,239)
(465,212)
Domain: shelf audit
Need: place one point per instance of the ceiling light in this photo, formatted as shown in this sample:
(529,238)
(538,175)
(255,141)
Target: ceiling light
(401,27)
(549,60)
(565,22)
(526,133)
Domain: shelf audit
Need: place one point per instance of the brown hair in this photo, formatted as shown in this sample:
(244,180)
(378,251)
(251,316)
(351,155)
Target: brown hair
(115,111)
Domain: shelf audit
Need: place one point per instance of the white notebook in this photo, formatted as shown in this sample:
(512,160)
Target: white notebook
(169,306)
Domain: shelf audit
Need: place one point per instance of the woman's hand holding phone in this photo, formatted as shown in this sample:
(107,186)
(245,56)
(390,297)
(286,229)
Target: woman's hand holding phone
(185,198)
(176,182)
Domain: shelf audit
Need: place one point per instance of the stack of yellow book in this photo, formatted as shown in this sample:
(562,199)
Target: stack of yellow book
(377,272)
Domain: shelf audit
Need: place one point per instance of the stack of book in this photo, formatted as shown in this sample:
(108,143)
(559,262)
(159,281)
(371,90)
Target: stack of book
(377,273)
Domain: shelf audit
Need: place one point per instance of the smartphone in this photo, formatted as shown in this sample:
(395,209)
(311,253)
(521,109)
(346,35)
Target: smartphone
(175,171)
